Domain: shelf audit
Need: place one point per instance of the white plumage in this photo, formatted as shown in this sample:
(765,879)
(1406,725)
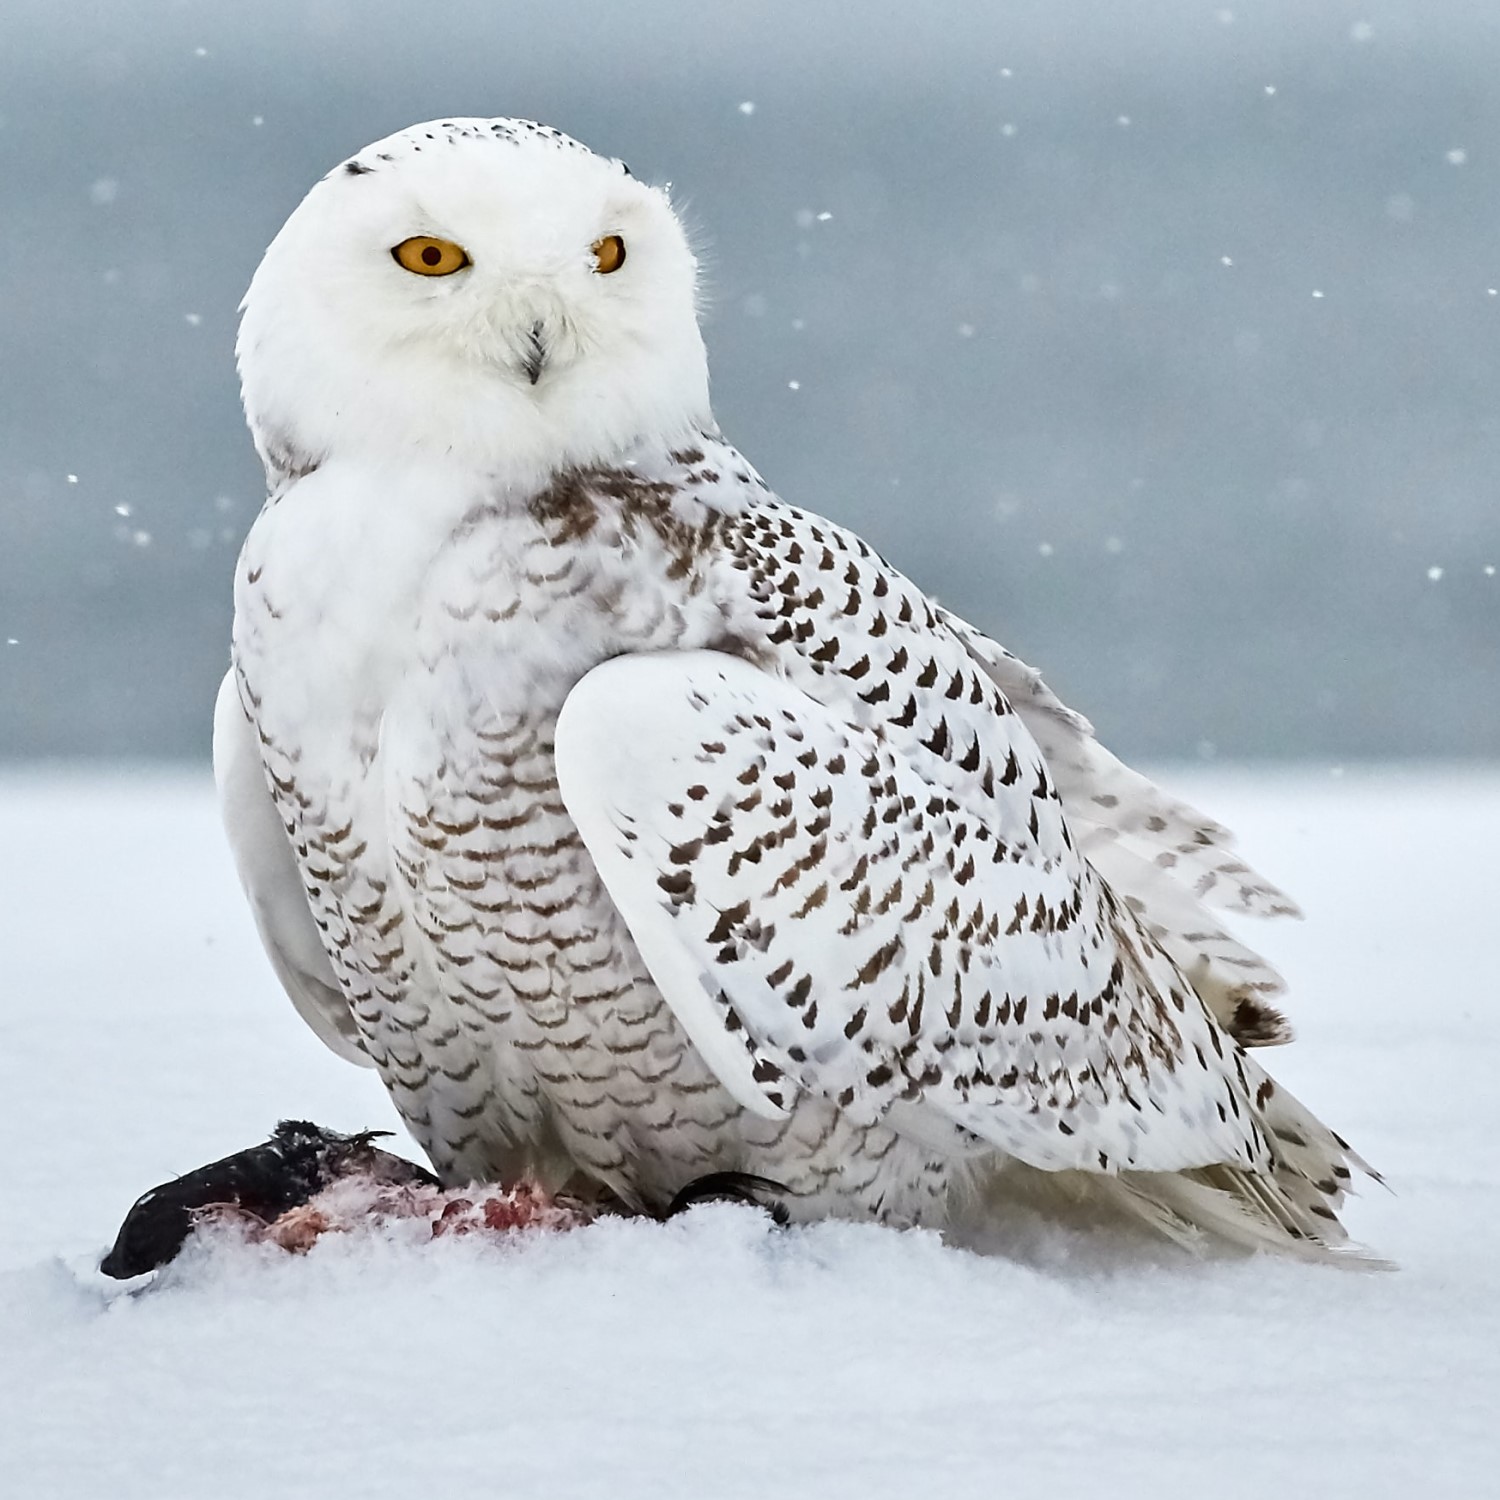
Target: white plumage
(637,826)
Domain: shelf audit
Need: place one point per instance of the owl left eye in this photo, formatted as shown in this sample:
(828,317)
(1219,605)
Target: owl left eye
(609,254)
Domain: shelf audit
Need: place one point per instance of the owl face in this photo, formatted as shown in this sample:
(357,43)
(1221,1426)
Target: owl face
(490,291)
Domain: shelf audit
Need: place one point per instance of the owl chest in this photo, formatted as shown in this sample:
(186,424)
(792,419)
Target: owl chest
(407,725)
(504,896)
(359,644)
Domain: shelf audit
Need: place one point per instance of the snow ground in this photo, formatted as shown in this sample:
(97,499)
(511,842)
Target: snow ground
(141,1033)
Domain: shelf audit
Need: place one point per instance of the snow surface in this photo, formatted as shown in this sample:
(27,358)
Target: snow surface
(141,1033)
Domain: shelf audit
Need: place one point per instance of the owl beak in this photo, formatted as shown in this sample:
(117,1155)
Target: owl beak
(535,354)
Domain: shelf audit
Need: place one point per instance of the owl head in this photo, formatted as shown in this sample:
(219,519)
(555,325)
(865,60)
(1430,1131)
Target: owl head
(488,293)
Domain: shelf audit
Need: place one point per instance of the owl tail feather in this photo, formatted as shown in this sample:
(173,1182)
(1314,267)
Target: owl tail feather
(1290,1209)
(1235,1207)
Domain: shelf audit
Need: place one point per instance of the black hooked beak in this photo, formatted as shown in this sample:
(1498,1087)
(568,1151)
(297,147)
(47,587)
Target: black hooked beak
(536,354)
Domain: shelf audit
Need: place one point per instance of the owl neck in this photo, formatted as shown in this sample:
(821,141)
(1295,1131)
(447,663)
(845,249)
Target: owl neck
(519,451)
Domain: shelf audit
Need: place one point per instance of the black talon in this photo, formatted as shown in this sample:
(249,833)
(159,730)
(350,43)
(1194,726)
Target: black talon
(733,1187)
(297,1163)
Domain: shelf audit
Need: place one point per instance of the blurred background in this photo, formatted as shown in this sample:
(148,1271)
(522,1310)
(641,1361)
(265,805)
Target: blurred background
(1158,338)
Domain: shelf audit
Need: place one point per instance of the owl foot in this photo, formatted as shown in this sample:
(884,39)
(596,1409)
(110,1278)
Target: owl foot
(733,1187)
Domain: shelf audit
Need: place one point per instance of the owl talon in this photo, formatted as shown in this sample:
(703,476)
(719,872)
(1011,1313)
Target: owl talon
(733,1187)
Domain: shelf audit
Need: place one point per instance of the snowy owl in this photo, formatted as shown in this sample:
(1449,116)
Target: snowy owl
(638,827)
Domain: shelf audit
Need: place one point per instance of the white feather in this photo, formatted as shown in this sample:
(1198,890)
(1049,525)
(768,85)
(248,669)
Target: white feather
(268,872)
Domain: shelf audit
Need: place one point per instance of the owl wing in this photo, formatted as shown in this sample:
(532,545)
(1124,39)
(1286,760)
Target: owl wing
(904,926)
(1169,862)
(268,872)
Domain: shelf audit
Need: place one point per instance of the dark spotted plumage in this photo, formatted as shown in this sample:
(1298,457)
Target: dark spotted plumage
(803,783)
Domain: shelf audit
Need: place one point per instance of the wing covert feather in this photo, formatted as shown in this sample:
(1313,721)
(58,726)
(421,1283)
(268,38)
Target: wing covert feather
(826,909)
(1122,804)
(1168,861)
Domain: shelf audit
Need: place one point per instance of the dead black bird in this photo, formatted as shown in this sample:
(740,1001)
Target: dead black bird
(296,1164)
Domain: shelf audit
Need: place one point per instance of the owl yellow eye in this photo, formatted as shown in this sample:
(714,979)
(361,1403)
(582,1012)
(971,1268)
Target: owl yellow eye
(429,257)
(609,254)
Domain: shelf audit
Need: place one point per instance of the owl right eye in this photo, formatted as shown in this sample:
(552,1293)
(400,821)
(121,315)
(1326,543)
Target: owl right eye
(426,256)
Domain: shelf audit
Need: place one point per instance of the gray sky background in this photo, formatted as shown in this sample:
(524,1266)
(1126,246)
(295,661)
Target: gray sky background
(1058,348)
